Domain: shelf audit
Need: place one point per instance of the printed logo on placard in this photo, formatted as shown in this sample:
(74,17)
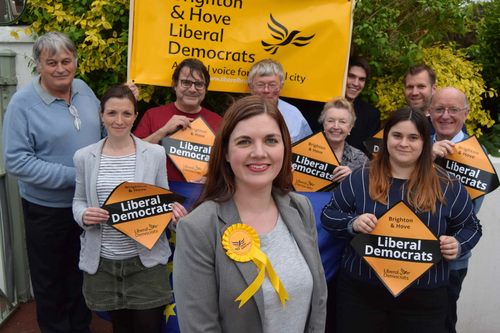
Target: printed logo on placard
(313,161)
(400,249)
(190,149)
(141,211)
(471,165)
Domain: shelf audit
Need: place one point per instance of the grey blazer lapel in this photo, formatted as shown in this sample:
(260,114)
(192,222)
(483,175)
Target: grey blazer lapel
(140,159)
(228,213)
(93,166)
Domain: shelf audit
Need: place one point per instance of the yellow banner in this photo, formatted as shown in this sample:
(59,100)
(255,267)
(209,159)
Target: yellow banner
(310,38)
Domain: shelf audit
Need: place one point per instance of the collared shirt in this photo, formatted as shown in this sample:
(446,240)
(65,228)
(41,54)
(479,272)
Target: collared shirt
(40,139)
(295,121)
(457,138)
(45,96)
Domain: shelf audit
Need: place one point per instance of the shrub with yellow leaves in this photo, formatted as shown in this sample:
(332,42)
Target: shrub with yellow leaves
(99,29)
(452,69)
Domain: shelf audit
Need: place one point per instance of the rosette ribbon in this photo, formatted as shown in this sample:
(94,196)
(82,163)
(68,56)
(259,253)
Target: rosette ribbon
(242,244)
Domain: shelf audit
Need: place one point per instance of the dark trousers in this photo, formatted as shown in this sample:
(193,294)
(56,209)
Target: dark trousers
(364,308)
(454,287)
(53,246)
(134,321)
(331,304)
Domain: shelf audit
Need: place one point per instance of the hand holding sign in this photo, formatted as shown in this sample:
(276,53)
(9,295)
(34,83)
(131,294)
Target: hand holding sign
(178,212)
(95,215)
(340,173)
(365,223)
(442,149)
(449,247)
(177,122)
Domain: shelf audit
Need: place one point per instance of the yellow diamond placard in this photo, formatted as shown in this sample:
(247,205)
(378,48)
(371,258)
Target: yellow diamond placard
(190,149)
(471,165)
(313,161)
(141,211)
(400,249)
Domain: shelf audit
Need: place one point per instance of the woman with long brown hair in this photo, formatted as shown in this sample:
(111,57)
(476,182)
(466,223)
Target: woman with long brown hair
(248,191)
(403,171)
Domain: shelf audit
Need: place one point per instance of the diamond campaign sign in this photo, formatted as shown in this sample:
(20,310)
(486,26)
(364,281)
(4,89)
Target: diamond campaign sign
(189,149)
(313,161)
(141,211)
(373,144)
(471,165)
(229,36)
(400,249)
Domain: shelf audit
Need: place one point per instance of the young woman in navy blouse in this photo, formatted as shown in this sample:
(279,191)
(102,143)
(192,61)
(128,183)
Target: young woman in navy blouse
(402,171)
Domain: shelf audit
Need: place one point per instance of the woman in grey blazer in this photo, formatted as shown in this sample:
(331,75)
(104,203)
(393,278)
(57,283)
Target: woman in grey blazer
(121,276)
(248,191)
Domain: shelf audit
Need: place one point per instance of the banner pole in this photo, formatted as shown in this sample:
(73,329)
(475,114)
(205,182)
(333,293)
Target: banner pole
(348,55)
(130,37)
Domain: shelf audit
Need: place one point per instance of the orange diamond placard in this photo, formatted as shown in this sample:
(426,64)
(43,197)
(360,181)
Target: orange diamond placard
(313,161)
(400,249)
(373,144)
(190,149)
(471,165)
(141,211)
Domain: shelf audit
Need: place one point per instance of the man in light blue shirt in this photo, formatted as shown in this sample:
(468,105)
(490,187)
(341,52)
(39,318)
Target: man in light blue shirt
(46,122)
(266,78)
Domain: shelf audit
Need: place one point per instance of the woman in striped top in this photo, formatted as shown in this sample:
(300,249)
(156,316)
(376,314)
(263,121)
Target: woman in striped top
(403,171)
(121,276)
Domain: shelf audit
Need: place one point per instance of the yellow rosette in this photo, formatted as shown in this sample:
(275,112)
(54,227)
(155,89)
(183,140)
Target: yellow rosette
(242,244)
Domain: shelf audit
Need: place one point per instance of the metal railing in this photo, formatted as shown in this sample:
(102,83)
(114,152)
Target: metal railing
(14,276)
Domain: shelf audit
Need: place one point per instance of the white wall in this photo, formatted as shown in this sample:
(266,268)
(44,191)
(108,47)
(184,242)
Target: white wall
(23,48)
(479,303)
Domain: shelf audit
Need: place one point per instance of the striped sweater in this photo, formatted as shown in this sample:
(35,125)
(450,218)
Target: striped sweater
(454,218)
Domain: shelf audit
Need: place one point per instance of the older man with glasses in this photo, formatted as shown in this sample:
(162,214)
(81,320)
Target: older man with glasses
(46,122)
(448,110)
(266,79)
(190,83)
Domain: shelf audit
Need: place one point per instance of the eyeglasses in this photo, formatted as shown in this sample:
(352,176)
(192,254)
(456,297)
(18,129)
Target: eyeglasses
(74,113)
(197,84)
(452,111)
(270,86)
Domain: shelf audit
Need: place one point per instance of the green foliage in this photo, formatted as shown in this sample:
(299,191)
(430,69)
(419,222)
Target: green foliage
(486,52)
(492,140)
(99,30)
(452,69)
(488,41)
(389,32)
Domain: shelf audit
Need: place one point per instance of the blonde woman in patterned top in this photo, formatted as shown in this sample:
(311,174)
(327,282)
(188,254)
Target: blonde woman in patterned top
(338,119)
